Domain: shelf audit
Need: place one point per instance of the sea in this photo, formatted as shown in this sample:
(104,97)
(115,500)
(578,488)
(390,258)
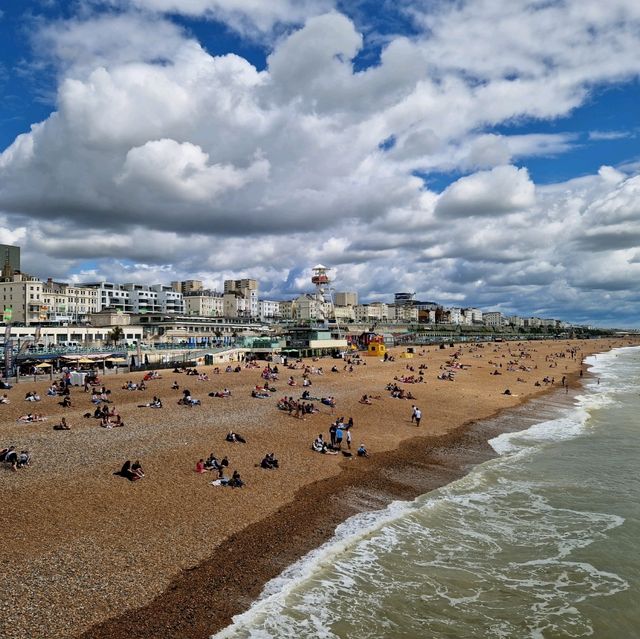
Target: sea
(541,541)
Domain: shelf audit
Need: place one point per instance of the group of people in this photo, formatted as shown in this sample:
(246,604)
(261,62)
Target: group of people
(398,392)
(297,408)
(14,458)
(212,463)
(132,472)
(269,461)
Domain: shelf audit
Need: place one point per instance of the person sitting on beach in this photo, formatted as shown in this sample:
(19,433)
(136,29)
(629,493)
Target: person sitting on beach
(10,456)
(269,461)
(52,391)
(4,399)
(62,425)
(362,451)
(235,438)
(506,392)
(212,463)
(187,400)
(136,469)
(142,386)
(94,398)
(4,385)
(155,403)
(235,481)
(175,386)
(127,472)
(318,444)
(260,394)
(200,467)
(32,397)
(365,400)
(66,402)
(328,401)
(24,459)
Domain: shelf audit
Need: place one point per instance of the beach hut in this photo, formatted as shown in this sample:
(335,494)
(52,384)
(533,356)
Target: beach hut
(376,349)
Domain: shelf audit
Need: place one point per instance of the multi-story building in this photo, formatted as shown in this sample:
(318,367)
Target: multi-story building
(111,296)
(187,287)
(344,314)
(21,296)
(493,318)
(347,298)
(403,299)
(374,312)
(473,315)
(248,291)
(403,313)
(169,300)
(9,258)
(269,310)
(63,302)
(287,309)
(515,321)
(204,303)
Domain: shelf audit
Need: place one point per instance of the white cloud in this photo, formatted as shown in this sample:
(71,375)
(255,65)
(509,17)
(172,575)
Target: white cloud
(503,189)
(162,155)
(247,16)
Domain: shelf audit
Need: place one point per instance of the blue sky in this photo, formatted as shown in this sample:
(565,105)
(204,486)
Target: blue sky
(198,139)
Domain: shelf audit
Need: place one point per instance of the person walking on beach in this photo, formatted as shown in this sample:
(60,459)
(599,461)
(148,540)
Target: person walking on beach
(332,434)
(339,434)
(413,413)
(417,413)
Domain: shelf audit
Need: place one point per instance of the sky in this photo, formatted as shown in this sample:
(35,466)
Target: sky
(478,153)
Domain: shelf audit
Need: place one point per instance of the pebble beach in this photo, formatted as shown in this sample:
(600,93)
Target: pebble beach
(86,553)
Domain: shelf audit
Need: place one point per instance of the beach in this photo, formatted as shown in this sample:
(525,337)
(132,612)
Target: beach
(89,554)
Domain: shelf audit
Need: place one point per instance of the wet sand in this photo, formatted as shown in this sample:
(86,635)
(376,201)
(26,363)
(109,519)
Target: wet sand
(89,554)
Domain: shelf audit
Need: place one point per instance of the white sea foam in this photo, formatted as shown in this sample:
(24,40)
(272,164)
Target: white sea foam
(346,534)
(446,550)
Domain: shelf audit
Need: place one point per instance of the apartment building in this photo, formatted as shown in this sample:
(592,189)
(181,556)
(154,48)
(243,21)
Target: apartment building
(268,310)
(494,319)
(187,287)
(21,296)
(204,303)
(347,298)
(246,290)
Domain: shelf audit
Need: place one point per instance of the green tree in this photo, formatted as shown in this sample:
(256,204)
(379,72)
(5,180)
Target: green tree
(116,334)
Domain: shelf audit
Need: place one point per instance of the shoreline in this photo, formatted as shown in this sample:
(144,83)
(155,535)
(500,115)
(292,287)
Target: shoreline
(172,554)
(202,601)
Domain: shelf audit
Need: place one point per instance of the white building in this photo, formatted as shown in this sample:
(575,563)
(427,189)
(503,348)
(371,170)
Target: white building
(494,319)
(403,313)
(204,303)
(516,321)
(110,295)
(169,300)
(268,310)
(474,315)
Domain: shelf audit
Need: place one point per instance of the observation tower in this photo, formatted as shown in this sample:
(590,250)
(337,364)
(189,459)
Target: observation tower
(323,296)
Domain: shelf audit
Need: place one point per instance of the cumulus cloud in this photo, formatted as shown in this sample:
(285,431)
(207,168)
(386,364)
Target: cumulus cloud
(504,189)
(163,161)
